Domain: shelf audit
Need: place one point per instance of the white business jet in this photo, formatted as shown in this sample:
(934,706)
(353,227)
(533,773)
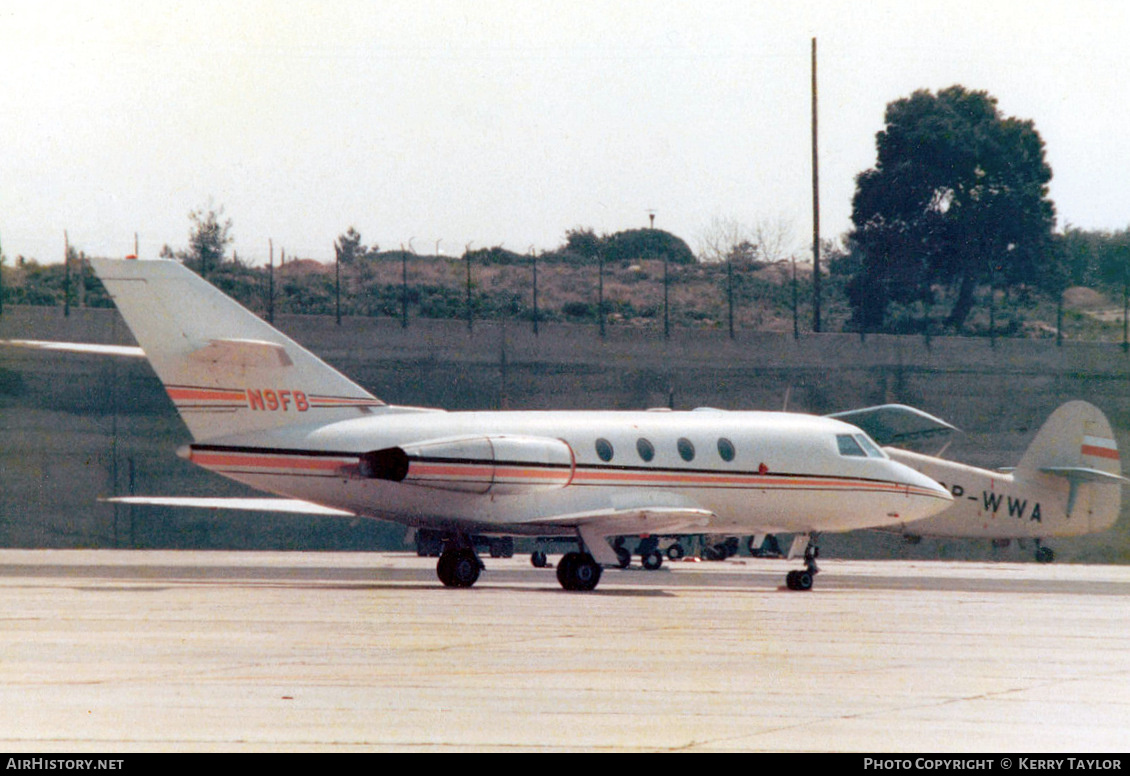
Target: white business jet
(264,411)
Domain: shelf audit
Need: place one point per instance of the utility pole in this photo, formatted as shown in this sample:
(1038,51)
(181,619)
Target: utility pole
(815,206)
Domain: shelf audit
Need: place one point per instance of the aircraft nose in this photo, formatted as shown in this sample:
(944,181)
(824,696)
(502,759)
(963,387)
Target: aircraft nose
(932,497)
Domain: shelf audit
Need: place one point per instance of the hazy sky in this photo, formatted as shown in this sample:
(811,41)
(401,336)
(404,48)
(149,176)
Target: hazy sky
(495,122)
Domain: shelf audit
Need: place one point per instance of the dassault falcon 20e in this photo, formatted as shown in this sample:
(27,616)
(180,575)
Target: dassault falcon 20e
(264,411)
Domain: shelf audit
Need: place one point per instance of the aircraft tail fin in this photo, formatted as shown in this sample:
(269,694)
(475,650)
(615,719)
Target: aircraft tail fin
(1077,443)
(1076,435)
(226,370)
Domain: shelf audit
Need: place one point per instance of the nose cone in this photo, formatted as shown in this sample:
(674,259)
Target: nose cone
(925,496)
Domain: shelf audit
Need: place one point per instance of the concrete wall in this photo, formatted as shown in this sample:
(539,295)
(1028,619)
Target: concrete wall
(75,427)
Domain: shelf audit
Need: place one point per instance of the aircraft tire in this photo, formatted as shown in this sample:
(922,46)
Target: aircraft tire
(458,568)
(798,580)
(1045,555)
(676,551)
(652,560)
(578,572)
(538,559)
(624,557)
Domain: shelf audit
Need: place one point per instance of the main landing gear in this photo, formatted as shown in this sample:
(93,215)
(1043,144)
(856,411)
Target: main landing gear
(578,571)
(458,565)
(1044,554)
(802,579)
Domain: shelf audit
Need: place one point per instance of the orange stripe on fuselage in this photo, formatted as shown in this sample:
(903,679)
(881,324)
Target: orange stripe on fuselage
(219,460)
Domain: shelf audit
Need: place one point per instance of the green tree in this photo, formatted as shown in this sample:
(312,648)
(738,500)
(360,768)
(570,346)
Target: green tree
(349,247)
(208,239)
(957,198)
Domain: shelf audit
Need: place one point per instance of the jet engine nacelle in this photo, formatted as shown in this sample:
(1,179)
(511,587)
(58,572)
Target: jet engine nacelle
(499,465)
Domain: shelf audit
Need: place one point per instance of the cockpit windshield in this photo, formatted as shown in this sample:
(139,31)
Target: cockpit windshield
(858,445)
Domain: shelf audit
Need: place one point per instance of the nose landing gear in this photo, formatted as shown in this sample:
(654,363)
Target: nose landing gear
(802,579)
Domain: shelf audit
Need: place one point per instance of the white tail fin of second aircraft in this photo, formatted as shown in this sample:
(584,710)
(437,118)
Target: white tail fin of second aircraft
(226,370)
(1077,443)
(1076,436)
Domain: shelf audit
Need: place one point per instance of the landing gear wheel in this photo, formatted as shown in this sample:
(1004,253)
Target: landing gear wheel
(538,559)
(802,579)
(1045,554)
(652,560)
(676,551)
(798,580)
(624,557)
(578,571)
(458,568)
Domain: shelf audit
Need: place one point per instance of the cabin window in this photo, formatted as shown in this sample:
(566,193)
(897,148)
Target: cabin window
(848,446)
(726,449)
(645,448)
(685,448)
(604,449)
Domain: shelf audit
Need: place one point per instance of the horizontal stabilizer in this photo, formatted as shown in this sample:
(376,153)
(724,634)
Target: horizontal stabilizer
(892,424)
(125,351)
(285,505)
(1082,474)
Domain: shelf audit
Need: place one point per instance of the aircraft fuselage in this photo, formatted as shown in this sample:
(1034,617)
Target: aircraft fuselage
(511,471)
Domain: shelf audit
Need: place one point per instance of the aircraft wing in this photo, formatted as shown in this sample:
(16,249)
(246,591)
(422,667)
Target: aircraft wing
(287,505)
(641,521)
(77,347)
(893,424)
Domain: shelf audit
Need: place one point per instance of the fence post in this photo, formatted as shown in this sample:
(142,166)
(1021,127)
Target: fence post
(600,290)
(337,282)
(666,316)
(534,259)
(404,285)
(470,312)
(271,282)
(66,275)
(730,291)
